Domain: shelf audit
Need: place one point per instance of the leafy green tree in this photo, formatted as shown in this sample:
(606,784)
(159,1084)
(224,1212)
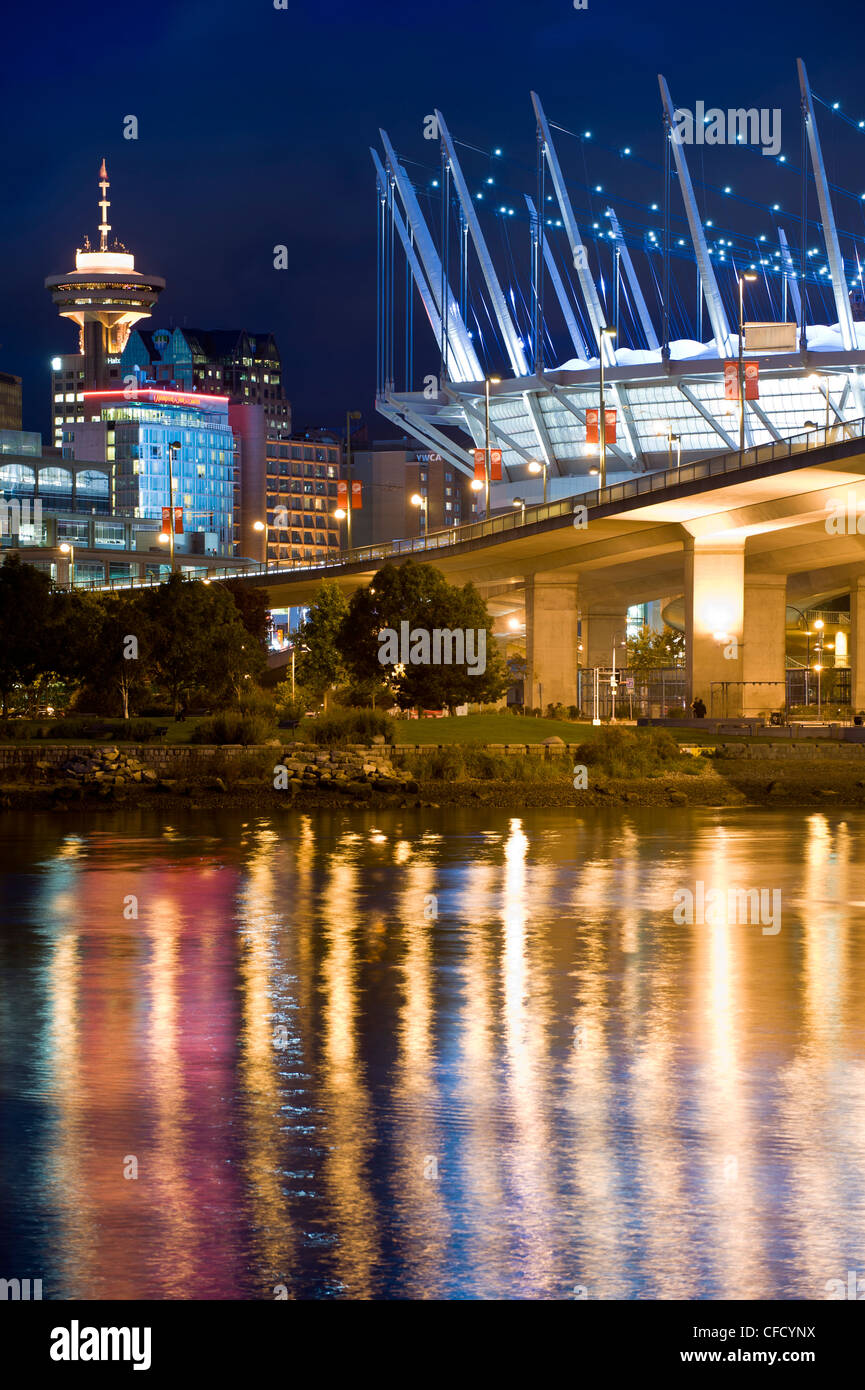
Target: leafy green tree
(320,663)
(421,596)
(25,617)
(199,642)
(123,648)
(253,605)
(649,650)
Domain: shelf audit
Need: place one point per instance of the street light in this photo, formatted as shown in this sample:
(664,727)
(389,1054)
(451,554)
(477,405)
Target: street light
(749,276)
(70,551)
(614,684)
(488,382)
(173,451)
(262,526)
(671,439)
(602,417)
(521,502)
(536,466)
(818,628)
(349,416)
(418,501)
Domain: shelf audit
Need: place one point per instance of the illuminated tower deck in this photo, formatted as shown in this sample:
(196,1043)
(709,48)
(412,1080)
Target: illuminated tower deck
(105,295)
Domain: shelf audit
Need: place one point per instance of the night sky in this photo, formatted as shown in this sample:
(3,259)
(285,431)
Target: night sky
(255,126)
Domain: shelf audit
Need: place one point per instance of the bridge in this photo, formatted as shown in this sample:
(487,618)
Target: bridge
(739,536)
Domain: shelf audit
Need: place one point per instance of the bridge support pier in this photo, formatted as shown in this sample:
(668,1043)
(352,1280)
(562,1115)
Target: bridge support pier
(551,638)
(714,620)
(764,645)
(603,625)
(857,644)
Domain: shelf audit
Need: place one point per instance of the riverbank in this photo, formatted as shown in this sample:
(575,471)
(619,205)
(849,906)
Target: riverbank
(268,780)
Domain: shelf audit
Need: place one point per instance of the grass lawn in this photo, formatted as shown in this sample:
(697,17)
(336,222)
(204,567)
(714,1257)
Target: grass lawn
(489,728)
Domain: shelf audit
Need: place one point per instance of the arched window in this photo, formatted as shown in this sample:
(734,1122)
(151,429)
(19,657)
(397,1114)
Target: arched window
(55,480)
(96,484)
(15,477)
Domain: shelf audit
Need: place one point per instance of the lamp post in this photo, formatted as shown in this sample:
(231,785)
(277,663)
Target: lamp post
(818,628)
(602,417)
(540,467)
(262,526)
(349,416)
(173,451)
(342,515)
(614,684)
(521,503)
(67,549)
(422,502)
(749,276)
(488,382)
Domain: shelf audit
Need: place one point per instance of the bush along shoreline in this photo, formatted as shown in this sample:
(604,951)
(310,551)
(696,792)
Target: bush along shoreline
(618,766)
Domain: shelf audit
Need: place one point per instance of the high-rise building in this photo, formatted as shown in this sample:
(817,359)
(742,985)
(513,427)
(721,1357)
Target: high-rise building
(246,367)
(155,439)
(105,296)
(391,472)
(10,402)
(302,477)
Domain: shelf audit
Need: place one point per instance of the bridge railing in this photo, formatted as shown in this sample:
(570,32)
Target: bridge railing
(645,485)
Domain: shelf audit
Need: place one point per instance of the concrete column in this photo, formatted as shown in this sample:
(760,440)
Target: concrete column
(604,624)
(551,638)
(857,644)
(764,645)
(714,613)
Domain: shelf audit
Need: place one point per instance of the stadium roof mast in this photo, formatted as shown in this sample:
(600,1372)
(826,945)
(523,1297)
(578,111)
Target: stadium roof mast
(789,274)
(711,293)
(578,250)
(509,333)
(633,282)
(559,288)
(830,234)
(423,288)
(465,365)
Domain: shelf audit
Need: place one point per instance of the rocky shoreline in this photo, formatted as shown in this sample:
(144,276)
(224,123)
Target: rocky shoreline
(273,779)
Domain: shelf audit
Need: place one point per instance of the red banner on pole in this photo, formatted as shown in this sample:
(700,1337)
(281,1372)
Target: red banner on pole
(593,433)
(731,381)
(342,494)
(495,465)
(752,381)
(356,494)
(480,465)
(166,521)
(178,521)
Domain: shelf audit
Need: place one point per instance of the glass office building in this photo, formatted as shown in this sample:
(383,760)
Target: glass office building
(139,429)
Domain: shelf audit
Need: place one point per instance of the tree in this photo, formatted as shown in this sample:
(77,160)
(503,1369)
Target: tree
(25,616)
(320,664)
(253,607)
(199,641)
(649,650)
(122,655)
(398,615)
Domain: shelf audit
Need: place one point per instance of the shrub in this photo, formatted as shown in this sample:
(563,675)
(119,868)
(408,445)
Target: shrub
(232,726)
(626,753)
(351,726)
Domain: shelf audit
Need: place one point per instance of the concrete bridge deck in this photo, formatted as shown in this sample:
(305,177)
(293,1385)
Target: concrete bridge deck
(739,536)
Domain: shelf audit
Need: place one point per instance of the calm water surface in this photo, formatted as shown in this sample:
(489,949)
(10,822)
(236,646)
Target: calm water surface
(548,1087)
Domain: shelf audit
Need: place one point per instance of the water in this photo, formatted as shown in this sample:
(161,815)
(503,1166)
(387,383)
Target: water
(547,1088)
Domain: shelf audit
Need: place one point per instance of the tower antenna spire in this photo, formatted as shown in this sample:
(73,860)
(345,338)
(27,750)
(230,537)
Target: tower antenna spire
(104,203)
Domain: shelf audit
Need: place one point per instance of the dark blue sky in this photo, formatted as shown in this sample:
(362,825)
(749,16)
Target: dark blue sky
(255,126)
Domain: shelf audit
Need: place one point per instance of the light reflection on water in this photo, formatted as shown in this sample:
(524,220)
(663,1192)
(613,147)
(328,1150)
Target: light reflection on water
(550,1086)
